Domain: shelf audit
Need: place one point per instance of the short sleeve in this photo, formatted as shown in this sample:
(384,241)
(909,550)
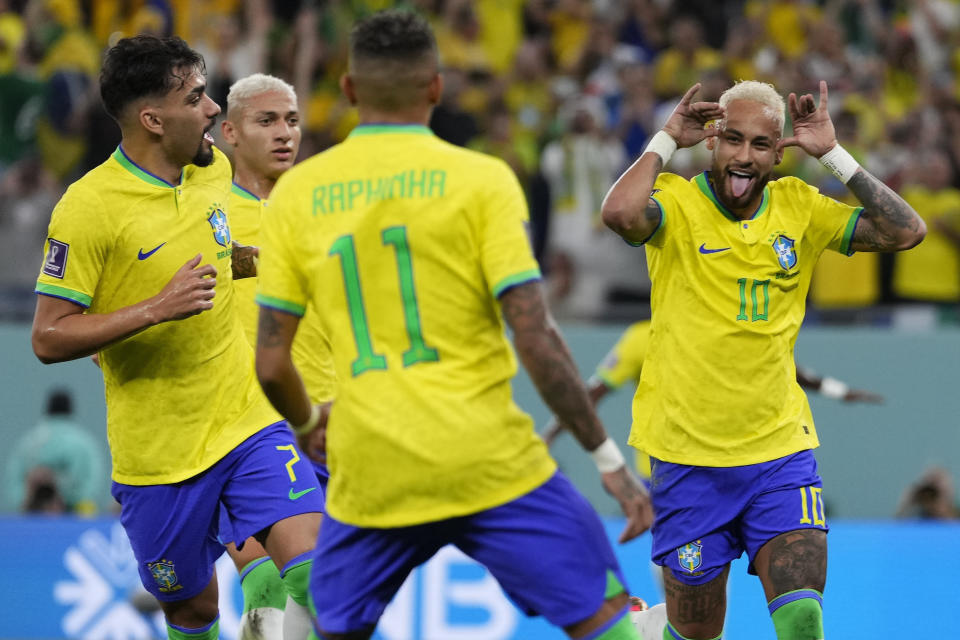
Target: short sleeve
(665,193)
(832,223)
(281,283)
(505,254)
(77,246)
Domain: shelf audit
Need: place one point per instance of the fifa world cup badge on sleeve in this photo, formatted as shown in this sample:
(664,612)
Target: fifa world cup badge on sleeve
(56,261)
(690,557)
(163,572)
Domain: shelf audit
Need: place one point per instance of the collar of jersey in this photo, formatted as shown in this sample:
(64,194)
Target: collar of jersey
(120,156)
(389,127)
(243,193)
(704,184)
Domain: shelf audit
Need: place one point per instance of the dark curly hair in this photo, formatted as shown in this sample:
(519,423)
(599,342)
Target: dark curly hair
(395,34)
(144,66)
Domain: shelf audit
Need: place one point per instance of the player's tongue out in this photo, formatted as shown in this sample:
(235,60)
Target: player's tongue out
(739,183)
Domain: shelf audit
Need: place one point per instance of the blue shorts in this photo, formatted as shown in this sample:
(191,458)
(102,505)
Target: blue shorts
(225,533)
(173,527)
(707,517)
(547,549)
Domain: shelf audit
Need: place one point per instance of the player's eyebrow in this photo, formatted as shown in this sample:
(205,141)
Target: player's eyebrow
(198,90)
(742,135)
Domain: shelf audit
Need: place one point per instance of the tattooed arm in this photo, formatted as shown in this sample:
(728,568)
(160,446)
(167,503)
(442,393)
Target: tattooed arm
(546,358)
(887,222)
(279,378)
(244,261)
(627,208)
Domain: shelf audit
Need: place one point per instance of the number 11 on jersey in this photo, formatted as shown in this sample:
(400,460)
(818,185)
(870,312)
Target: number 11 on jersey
(367,359)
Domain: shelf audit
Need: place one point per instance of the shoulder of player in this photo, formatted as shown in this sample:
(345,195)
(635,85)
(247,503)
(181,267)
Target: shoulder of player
(791,185)
(672,182)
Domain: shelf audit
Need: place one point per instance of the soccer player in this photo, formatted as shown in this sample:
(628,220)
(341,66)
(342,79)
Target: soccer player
(263,128)
(138,269)
(413,253)
(624,364)
(718,408)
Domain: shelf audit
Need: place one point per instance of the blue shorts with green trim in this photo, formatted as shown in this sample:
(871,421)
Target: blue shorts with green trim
(708,516)
(547,549)
(173,528)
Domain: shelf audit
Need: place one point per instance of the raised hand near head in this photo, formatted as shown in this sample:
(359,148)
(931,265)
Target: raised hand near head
(812,128)
(686,125)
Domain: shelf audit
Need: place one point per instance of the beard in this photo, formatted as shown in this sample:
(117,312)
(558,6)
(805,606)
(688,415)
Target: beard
(203,157)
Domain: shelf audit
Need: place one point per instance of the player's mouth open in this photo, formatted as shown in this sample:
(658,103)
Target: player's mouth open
(740,182)
(207,137)
(282,153)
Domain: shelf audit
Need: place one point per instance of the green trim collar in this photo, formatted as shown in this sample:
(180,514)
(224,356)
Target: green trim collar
(707,189)
(120,156)
(237,190)
(383,127)
(281,305)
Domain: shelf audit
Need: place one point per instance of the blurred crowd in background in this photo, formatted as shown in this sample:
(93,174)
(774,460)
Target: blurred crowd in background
(566,91)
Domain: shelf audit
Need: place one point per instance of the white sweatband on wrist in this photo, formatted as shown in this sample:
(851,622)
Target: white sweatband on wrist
(607,456)
(840,163)
(311,422)
(662,144)
(833,388)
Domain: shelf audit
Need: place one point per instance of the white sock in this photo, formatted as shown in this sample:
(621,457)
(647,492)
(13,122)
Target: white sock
(297,623)
(264,623)
(650,622)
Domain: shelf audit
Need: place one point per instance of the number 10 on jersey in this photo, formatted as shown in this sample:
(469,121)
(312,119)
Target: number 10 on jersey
(367,358)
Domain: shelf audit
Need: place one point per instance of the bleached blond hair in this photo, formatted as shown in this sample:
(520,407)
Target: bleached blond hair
(761,92)
(253,85)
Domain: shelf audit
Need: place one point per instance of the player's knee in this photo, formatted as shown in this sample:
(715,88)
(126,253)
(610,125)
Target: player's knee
(798,615)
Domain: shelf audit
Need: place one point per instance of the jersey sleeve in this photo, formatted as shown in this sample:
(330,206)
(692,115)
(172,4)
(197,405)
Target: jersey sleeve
(666,193)
(281,282)
(77,245)
(505,254)
(832,223)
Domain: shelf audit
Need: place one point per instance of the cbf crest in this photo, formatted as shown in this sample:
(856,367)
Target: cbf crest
(221,229)
(786,253)
(689,556)
(164,575)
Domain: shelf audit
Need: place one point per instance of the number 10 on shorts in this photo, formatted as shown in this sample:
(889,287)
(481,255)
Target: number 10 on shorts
(811,504)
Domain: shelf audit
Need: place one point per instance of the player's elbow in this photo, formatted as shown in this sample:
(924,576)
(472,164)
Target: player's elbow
(913,237)
(45,347)
(267,370)
(615,215)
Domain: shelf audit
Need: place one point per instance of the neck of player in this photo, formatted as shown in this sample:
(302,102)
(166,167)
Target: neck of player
(419,114)
(152,157)
(256,183)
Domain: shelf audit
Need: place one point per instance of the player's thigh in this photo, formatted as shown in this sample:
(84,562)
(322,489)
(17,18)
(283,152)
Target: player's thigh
(172,531)
(785,528)
(549,552)
(358,571)
(696,611)
(270,482)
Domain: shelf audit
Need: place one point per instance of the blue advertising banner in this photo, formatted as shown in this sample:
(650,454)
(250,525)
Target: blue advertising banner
(73,578)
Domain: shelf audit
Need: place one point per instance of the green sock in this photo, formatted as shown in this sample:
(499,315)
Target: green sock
(623,629)
(798,615)
(209,632)
(296,576)
(262,585)
(669,633)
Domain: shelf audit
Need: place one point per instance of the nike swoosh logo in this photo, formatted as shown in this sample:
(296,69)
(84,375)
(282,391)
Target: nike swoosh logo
(143,256)
(703,249)
(299,494)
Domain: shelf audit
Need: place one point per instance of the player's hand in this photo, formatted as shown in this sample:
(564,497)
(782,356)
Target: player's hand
(243,261)
(314,444)
(812,128)
(189,292)
(686,123)
(860,395)
(634,501)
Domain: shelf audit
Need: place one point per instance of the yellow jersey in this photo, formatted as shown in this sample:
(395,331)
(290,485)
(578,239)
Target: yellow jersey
(180,395)
(719,385)
(930,271)
(311,349)
(403,243)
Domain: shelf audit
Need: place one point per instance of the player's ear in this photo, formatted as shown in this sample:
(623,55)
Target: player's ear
(229,132)
(779,157)
(348,88)
(435,89)
(150,119)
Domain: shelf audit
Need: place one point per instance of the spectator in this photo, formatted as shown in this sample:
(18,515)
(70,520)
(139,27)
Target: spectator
(931,497)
